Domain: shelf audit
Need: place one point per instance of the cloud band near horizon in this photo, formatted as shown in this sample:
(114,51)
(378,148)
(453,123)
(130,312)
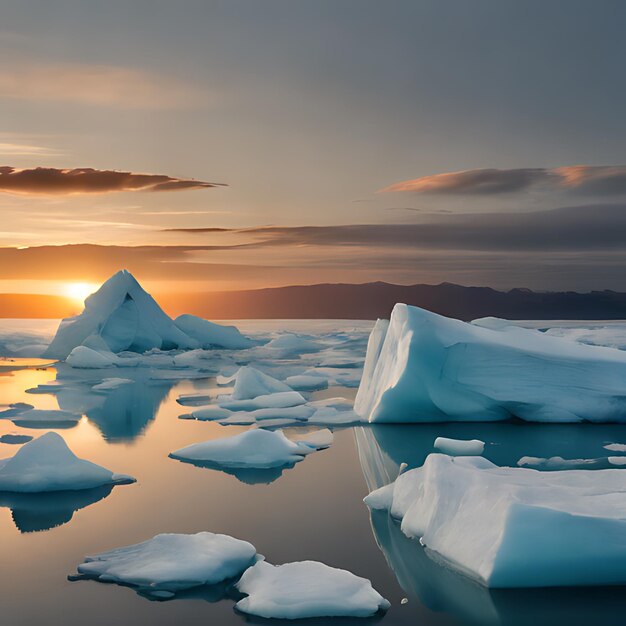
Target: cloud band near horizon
(86,180)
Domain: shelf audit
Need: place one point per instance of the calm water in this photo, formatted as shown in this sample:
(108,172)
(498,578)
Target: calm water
(313,511)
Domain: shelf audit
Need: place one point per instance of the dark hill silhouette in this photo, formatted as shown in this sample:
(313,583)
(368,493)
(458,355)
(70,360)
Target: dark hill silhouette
(373,300)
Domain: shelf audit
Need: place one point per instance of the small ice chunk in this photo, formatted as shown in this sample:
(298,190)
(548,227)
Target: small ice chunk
(381,498)
(289,344)
(47,464)
(460,447)
(210,412)
(15,439)
(317,439)
(109,384)
(193,399)
(42,418)
(616,447)
(254,448)
(306,589)
(617,460)
(82,357)
(559,463)
(251,383)
(279,400)
(172,562)
(307,382)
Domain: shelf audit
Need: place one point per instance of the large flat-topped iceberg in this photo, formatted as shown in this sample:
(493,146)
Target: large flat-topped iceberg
(121,316)
(514,527)
(422,367)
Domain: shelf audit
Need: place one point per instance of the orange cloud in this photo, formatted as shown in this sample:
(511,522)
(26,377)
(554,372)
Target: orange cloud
(54,181)
(591,179)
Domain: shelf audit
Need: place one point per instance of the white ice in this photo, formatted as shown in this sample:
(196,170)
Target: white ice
(121,316)
(170,562)
(251,383)
(422,367)
(460,447)
(306,589)
(109,384)
(259,449)
(514,527)
(616,447)
(47,464)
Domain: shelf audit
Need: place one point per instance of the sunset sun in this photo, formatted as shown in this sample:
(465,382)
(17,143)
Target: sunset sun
(79,291)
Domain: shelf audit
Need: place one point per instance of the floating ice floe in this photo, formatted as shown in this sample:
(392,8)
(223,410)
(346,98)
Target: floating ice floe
(306,589)
(616,447)
(169,563)
(259,449)
(121,316)
(460,447)
(514,527)
(47,464)
(25,415)
(289,345)
(109,384)
(422,367)
(15,439)
(87,358)
(251,383)
(306,382)
(559,463)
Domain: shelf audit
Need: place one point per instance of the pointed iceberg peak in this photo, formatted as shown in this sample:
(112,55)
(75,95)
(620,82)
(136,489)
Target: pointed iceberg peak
(120,316)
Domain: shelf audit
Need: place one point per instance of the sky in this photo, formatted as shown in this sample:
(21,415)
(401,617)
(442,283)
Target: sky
(222,145)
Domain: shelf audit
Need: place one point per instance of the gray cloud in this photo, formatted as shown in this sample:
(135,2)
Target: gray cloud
(55,181)
(588,179)
(590,227)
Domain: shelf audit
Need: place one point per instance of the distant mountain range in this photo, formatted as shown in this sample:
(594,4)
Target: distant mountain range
(373,300)
(348,301)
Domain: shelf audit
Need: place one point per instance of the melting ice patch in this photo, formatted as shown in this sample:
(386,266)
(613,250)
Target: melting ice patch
(169,563)
(47,464)
(306,589)
(514,527)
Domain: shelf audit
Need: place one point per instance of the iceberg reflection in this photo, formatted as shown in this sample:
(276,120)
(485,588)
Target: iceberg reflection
(34,512)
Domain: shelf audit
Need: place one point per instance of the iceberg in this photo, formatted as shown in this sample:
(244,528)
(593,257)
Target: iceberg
(122,316)
(47,464)
(169,563)
(422,367)
(306,589)
(259,449)
(514,527)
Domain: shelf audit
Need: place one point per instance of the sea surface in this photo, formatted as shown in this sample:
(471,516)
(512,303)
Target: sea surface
(312,511)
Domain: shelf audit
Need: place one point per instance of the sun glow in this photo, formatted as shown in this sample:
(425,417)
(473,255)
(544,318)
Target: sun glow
(79,291)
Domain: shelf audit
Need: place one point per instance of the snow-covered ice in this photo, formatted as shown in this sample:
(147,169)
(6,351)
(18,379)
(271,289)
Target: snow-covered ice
(259,449)
(459,447)
(251,383)
(514,527)
(423,367)
(47,464)
(169,563)
(306,589)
